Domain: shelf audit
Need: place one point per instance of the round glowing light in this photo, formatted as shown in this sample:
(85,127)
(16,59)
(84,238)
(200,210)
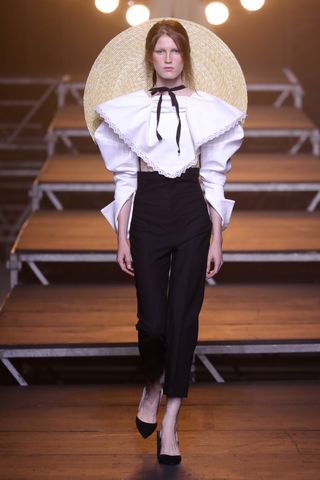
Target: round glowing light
(137,14)
(107,6)
(252,5)
(217,13)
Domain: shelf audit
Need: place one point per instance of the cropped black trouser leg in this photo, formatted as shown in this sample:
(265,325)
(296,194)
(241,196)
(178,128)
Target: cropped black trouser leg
(169,238)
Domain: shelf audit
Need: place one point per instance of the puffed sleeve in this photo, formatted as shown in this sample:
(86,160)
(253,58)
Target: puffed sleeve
(123,163)
(215,163)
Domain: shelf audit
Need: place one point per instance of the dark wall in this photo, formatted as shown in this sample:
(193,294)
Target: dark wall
(65,36)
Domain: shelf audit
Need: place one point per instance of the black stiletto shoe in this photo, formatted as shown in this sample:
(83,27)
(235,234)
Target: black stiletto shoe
(146,428)
(167,459)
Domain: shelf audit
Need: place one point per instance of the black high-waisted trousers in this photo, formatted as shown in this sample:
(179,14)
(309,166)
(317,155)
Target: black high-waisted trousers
(169,239)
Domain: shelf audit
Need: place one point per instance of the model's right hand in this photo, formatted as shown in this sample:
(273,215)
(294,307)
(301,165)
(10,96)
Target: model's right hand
(124,258)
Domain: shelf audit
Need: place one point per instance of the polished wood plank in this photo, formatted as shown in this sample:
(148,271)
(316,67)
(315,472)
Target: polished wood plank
(95,314)
(109,443)
(233,393)
(142,467)
(248,431)
(220,417)
(84,168)
(275,168)
(268,117)
(67,231)
(273,231)
(249,231)
(68,117)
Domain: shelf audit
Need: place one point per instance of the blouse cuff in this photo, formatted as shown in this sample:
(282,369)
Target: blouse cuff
(126,185)
(214,194)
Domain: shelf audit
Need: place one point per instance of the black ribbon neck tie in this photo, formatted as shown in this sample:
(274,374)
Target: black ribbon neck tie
(174,103)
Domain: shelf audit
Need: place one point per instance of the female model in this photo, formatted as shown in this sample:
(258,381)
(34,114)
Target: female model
(157,142)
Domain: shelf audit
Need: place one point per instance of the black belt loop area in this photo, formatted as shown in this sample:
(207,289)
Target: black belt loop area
(174,103)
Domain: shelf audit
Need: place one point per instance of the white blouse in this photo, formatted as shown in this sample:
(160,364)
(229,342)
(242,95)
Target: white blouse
(210,129)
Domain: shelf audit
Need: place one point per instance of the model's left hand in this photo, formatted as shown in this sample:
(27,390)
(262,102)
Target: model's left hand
(214,257)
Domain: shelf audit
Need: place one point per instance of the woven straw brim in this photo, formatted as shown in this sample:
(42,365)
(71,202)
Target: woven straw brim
(120,69)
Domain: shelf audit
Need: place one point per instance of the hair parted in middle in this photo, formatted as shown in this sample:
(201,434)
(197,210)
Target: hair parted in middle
(176,31)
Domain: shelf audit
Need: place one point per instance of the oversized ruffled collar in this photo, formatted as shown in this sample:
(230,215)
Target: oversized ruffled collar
(207,117)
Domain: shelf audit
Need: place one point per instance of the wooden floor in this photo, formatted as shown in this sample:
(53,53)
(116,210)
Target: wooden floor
(35,315)
(68,168)
(247,431)
(249,231)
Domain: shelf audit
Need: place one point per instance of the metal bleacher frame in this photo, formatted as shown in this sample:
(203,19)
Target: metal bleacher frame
(107,253)
(32,258)
(51,188)
(285,89)
(70,86)
(203,348)
(51,85)
(201,351)
(73,86)
(287,85)
(12,139)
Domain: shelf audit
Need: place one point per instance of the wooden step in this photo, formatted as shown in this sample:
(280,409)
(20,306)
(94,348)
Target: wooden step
(87,315)
(249,231)
(255,168)
(68,168)
(274,168)
(270,118)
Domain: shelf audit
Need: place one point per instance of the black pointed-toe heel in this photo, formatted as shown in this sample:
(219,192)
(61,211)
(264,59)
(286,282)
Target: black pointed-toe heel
(146,428)
(167,459)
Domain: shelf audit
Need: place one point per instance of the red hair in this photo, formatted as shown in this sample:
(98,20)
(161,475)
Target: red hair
(176,31)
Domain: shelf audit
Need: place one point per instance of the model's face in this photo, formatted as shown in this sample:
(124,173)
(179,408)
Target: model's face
(167,60)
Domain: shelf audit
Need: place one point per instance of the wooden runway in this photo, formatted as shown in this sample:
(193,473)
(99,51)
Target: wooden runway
(247,431)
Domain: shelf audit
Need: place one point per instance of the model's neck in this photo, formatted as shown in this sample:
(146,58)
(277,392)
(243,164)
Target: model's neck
(168,83)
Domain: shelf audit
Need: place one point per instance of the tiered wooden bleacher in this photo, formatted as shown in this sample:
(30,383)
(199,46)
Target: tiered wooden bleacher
(85,236)
(73,235)
(95,320)
(281,81)
(255,172)
(262,121)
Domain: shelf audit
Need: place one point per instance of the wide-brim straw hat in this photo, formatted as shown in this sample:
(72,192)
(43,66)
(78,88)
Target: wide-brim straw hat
(120,69)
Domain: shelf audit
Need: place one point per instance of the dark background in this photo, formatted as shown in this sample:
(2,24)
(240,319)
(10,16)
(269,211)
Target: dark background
(45,37)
